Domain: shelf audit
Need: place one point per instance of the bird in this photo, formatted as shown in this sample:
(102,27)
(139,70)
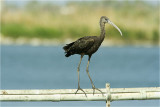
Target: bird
(88,45)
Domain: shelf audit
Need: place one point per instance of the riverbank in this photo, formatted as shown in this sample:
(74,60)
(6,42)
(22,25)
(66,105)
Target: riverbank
(56,42)
(60,24)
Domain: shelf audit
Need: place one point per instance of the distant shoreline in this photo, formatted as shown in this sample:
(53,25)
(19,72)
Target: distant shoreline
(57,42)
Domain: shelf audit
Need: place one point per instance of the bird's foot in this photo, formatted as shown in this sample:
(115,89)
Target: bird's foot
(94,88)
(81,90)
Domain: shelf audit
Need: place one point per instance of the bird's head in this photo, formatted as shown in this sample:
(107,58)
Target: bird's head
(105,20)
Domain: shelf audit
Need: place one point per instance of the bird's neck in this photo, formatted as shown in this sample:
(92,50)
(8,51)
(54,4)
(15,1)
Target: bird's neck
(102,35)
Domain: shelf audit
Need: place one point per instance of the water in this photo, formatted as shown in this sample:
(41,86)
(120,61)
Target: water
(27,67)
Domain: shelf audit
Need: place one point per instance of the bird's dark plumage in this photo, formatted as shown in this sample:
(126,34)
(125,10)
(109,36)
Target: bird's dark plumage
(67,48)
(81,46)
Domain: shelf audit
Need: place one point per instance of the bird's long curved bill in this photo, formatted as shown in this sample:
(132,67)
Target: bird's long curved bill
(115,26)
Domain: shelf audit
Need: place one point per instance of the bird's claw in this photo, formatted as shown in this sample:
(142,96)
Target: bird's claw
(94,88)
(81,90)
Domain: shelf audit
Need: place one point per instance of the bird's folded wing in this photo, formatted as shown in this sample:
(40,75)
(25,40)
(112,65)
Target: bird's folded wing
(83,44)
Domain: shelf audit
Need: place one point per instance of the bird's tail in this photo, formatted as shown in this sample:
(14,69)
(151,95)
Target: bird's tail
(67,49)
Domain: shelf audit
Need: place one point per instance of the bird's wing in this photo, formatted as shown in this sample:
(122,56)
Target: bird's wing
(82,45)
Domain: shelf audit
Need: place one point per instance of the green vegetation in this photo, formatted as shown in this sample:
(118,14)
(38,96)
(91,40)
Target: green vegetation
(47,20)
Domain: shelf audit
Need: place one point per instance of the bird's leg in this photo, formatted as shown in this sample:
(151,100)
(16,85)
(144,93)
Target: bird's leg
(79,77)
(93,86)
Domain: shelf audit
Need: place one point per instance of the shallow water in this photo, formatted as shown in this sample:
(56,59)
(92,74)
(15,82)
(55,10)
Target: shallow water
(41,67)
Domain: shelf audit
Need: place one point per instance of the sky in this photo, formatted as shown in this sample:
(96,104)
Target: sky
(62,2)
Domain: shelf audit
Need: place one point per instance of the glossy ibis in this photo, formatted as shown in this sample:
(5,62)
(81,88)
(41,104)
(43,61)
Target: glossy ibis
(87,46)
